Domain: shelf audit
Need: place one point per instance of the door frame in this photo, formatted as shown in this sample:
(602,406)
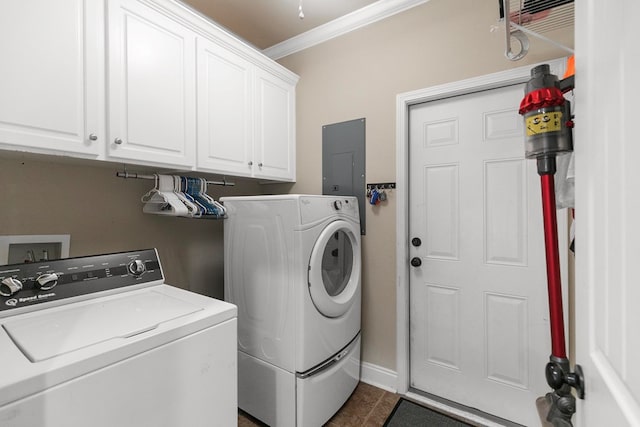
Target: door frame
(405,100)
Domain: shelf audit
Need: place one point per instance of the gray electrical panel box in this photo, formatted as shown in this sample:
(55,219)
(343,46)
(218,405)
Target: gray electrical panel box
(343,162)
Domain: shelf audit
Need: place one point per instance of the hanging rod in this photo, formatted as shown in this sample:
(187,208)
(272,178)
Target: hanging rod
(134,175)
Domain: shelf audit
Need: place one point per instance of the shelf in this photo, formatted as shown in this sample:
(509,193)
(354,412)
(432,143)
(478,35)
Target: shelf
(534,18)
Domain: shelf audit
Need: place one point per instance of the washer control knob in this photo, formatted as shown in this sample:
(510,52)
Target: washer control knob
(47,281)
(337,205)
(136,267)
(10,286)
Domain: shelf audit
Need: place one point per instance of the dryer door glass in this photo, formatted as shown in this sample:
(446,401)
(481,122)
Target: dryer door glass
(334,268)
(337,263)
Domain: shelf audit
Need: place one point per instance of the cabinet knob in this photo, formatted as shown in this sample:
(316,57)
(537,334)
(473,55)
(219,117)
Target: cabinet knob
(250,163)
(93,137)
(259,165)
(118,141)
(416,262)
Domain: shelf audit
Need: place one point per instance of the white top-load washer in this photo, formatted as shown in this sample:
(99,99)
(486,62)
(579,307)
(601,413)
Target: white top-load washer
(101,341)
(292,266)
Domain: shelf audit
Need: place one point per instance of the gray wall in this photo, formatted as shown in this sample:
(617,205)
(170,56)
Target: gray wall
(103,213)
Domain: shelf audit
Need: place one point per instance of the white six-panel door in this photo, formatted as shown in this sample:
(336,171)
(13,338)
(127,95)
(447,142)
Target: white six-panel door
(479,330)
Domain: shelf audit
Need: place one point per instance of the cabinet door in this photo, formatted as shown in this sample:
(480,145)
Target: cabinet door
(151,86)
(274,148)
(225,125)
(51,76)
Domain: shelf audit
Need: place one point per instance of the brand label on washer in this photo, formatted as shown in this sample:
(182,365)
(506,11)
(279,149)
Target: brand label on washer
(40,297)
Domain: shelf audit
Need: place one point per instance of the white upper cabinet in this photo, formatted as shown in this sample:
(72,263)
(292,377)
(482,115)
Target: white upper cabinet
(225,108)
(151,63)
(245,117)
(274,148)
(144,82)
(52,76)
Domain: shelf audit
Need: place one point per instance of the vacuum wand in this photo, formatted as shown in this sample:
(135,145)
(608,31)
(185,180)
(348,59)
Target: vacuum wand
(548,122)
(554,284)
(553,265)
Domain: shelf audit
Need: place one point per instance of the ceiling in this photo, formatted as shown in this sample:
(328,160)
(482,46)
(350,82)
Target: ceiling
(265,23)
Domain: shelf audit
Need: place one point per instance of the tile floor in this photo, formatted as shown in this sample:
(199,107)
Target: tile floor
(368,406)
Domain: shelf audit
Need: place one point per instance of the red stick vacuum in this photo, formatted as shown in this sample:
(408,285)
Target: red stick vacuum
(548,122)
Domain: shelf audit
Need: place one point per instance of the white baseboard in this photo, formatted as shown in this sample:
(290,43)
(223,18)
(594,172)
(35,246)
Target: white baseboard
(378,376)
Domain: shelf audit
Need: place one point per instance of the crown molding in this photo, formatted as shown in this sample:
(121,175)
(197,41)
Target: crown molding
(362,17)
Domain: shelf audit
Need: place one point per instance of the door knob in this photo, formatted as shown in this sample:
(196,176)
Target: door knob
(416,241)
(416,261)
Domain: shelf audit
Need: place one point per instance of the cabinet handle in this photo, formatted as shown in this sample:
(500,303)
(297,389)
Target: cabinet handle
(118,141)
(93,137)
(250,163)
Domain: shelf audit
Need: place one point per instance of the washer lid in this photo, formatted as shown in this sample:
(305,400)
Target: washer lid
(52,334)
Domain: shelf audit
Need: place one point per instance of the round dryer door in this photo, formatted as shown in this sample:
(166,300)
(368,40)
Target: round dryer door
(334,269)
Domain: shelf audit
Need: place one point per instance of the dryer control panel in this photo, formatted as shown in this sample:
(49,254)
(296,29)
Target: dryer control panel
(29,284)
(320,208)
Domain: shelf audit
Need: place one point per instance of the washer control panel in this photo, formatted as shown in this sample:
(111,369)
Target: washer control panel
(34,283)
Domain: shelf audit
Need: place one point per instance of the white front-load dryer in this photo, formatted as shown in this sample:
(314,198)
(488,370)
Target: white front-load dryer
(293,268)
(329,238)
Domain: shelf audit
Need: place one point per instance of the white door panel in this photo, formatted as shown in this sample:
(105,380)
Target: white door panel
(274,149)
(151,86)
(478,304)
(607,212)
(51,77)
(225,125)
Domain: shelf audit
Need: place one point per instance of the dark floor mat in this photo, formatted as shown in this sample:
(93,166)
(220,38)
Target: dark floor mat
(409,414)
